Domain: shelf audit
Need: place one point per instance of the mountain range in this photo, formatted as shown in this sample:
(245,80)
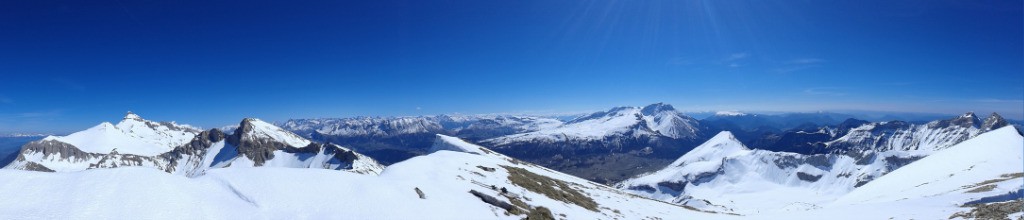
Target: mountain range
(184,150)
(457,180)
(649,162)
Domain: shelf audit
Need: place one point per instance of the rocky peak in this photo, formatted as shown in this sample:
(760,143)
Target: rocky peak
(246,126)
(994,121)
(132,116)
(656,108)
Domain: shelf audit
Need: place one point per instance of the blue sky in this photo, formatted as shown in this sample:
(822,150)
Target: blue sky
(67,65)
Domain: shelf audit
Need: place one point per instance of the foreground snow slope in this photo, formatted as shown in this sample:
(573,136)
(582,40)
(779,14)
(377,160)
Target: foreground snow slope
(435,186)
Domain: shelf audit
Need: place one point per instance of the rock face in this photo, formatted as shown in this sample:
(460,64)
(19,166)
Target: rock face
(255,143)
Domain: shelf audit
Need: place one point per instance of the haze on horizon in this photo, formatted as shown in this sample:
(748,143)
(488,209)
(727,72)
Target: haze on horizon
(68,65)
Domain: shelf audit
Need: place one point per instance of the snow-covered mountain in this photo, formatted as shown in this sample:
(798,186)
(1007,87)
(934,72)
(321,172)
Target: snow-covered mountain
(610,145)
(723,174)
(463,181)
(898,135)
(856,136)
(132,135)
(138,142)
(257,143)
(653,120)
(394,126)
(980,178)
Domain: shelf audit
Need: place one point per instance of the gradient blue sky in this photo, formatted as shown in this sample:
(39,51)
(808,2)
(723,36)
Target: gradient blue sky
(67,65)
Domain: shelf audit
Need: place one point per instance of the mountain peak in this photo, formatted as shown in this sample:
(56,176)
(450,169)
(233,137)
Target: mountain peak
(253,128)
(724,136)
(444,142)
(967,120)
(656,108)
(723,141)
(994,121)
(722,145)
(968,115)
(132,116)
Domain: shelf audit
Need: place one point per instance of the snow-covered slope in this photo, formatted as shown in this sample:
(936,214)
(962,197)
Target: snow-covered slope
(441,185)
(990,156)
(384,127)
(607,146)
(255,143)
(979,178)
(449,143)
(723,174)
(77,151)
(133,135)
(903,136)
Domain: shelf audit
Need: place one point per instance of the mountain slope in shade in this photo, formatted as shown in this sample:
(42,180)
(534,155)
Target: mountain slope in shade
(255,143)
(441,185)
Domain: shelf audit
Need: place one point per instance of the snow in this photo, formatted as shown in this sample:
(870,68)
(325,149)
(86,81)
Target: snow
(736,179)
(617,121)
(133,135)
(445,177)
(321,160)
(378,126)
(450,143)
(54,163)
(195,162)
(264,130)
(934,187)
(752,183)
(981,158)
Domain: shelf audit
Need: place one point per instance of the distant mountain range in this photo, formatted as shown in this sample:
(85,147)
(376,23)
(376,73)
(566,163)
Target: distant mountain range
(607,146)
(241,175)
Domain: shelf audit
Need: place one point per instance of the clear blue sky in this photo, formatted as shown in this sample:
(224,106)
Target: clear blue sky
(67,65)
